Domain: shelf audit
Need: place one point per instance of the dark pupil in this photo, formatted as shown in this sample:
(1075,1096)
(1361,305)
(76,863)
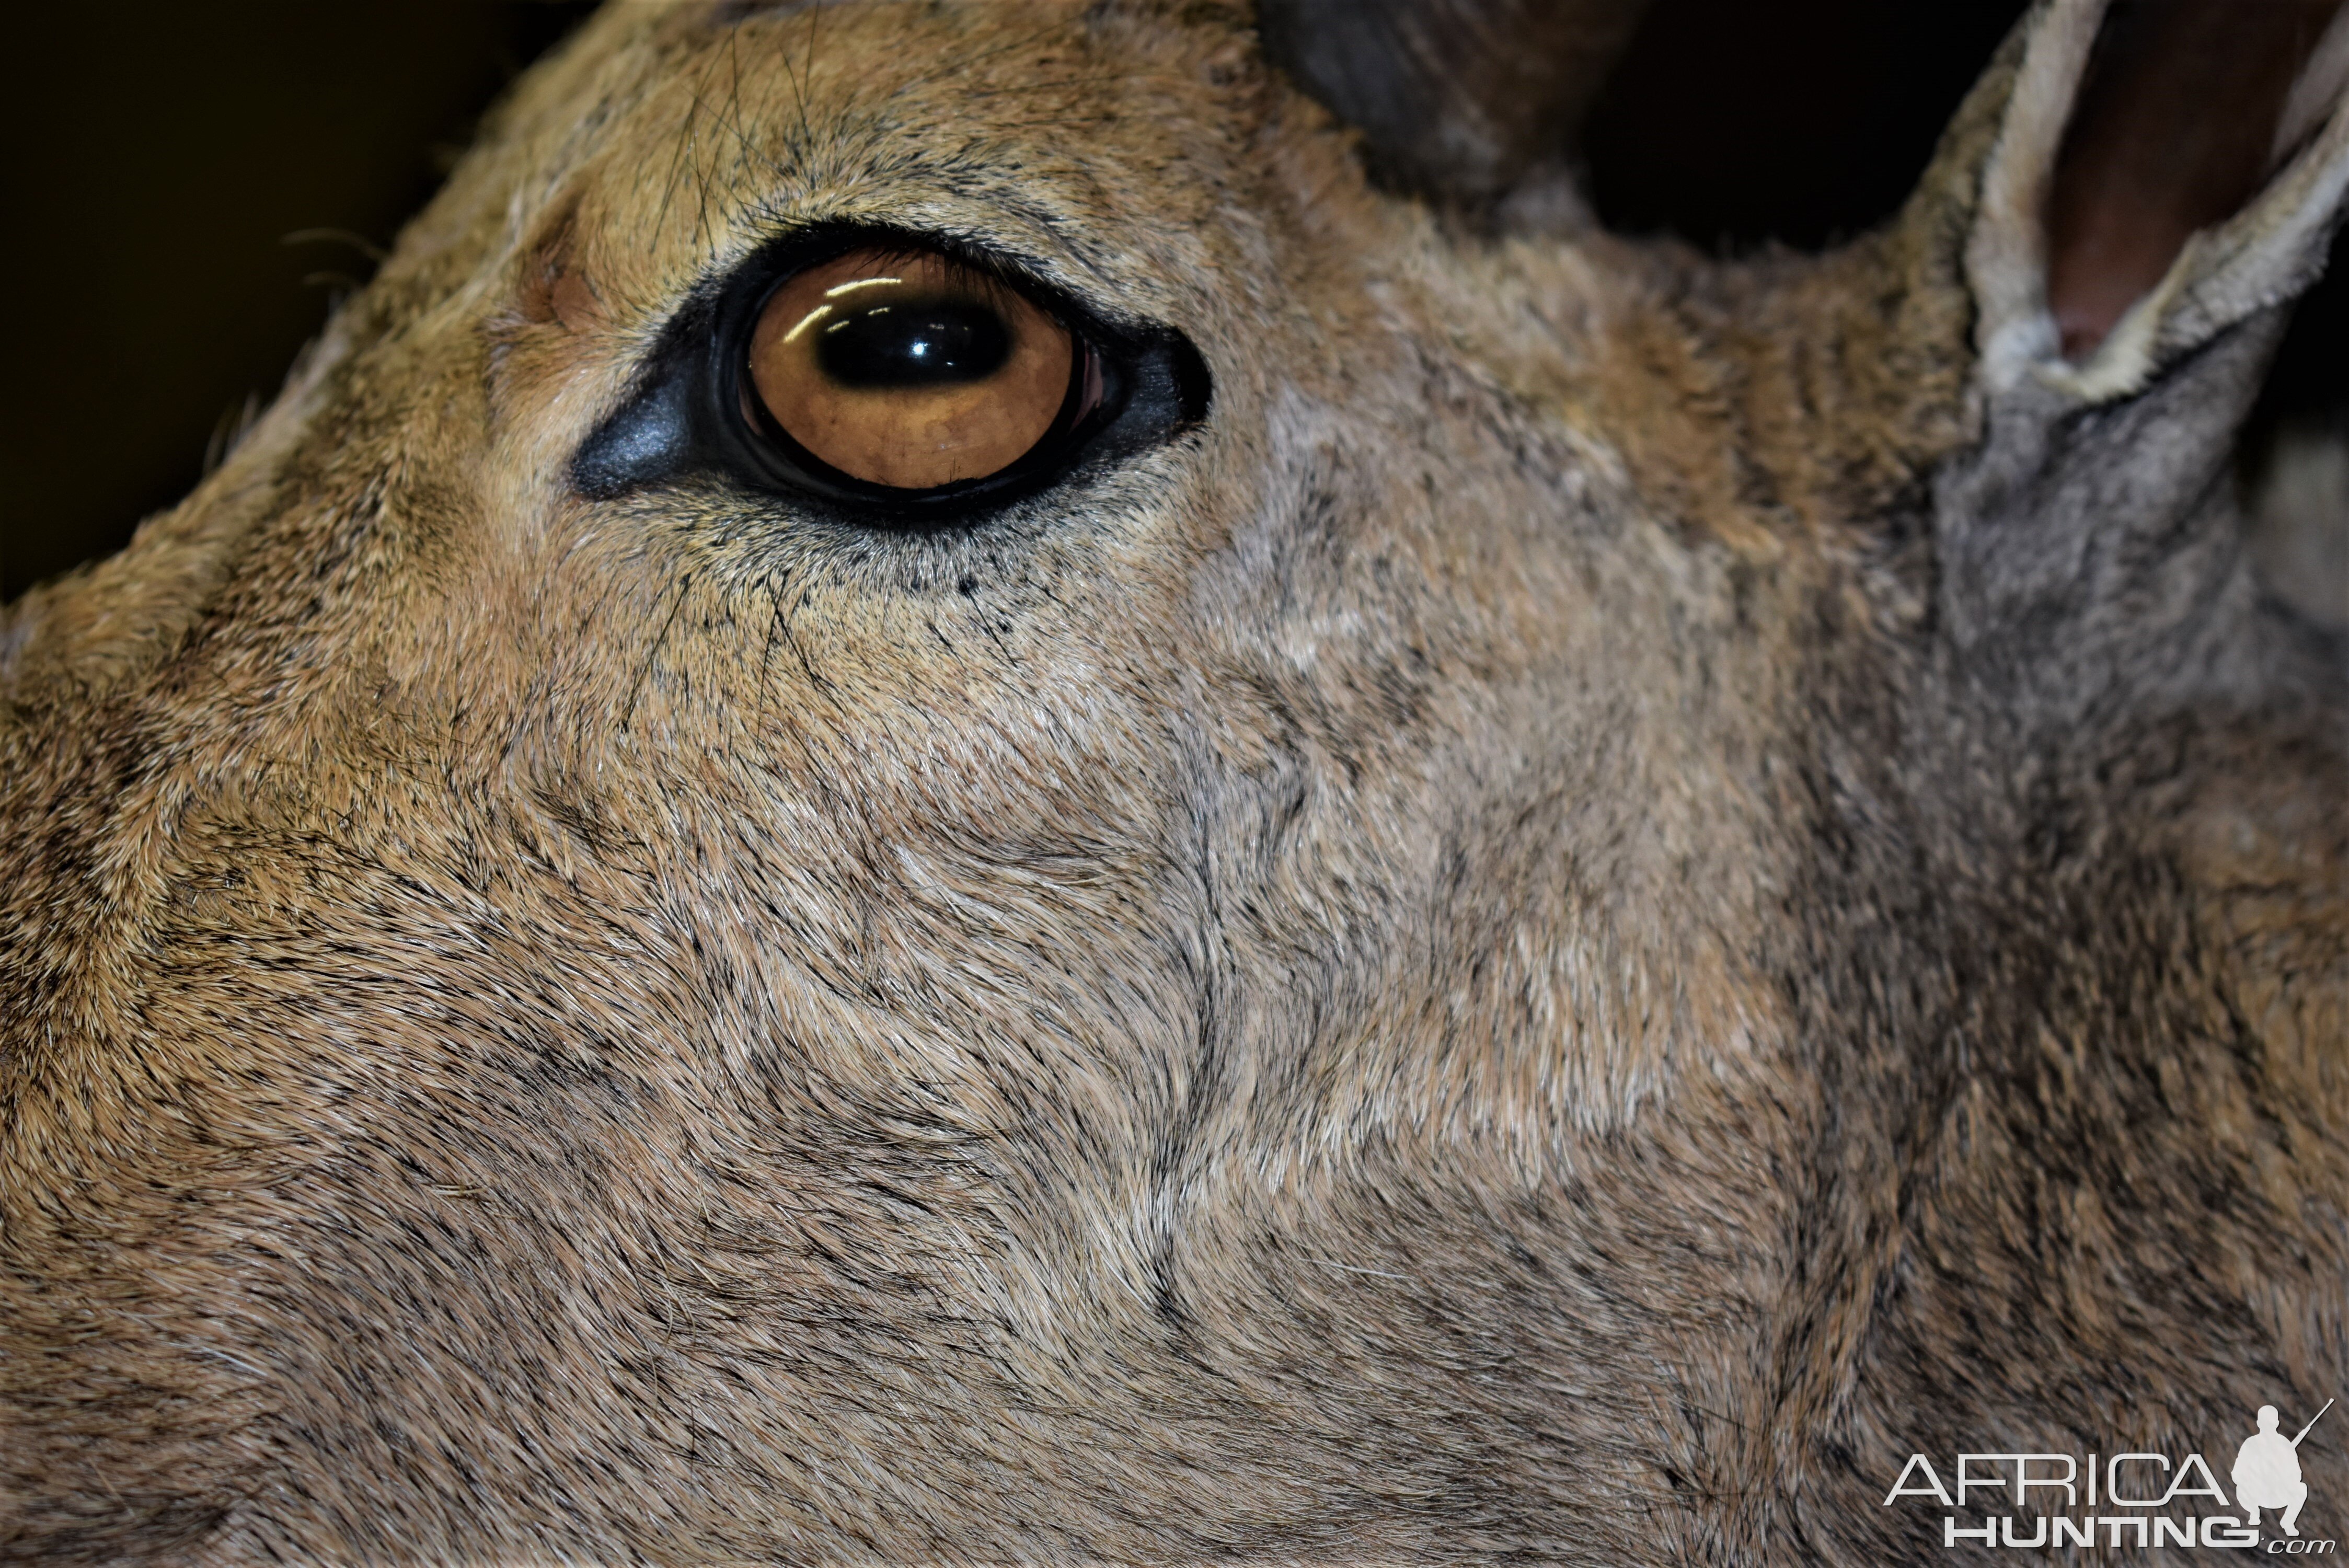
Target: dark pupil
(916,344)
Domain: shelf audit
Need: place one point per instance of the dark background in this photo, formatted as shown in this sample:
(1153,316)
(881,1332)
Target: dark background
(164,154)
(176,164)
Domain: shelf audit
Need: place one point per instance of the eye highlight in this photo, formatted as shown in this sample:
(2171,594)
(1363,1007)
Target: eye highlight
(911,371)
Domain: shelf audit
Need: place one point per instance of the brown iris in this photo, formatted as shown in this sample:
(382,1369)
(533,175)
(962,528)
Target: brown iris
(910,371)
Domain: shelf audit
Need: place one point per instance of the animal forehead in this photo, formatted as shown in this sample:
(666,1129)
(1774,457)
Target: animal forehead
(1058,127)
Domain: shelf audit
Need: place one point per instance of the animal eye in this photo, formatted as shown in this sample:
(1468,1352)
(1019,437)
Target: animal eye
(892,383)
(914,371)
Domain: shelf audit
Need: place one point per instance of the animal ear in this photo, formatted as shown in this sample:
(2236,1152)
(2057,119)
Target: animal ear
(2165,169)
(1456,99)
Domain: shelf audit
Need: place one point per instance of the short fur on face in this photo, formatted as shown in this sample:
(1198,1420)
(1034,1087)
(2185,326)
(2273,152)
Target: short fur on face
(1622,890)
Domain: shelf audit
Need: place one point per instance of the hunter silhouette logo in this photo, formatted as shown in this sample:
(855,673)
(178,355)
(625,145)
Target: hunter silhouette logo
(2117,1496)
(2267,1470)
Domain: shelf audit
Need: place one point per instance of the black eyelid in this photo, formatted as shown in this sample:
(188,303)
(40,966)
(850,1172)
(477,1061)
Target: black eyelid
(687,415)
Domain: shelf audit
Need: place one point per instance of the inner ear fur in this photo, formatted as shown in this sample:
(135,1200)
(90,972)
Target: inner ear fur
(2179,120)
(2163,169)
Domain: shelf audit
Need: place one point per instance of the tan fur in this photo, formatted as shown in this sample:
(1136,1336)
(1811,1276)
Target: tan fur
(1516,945)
